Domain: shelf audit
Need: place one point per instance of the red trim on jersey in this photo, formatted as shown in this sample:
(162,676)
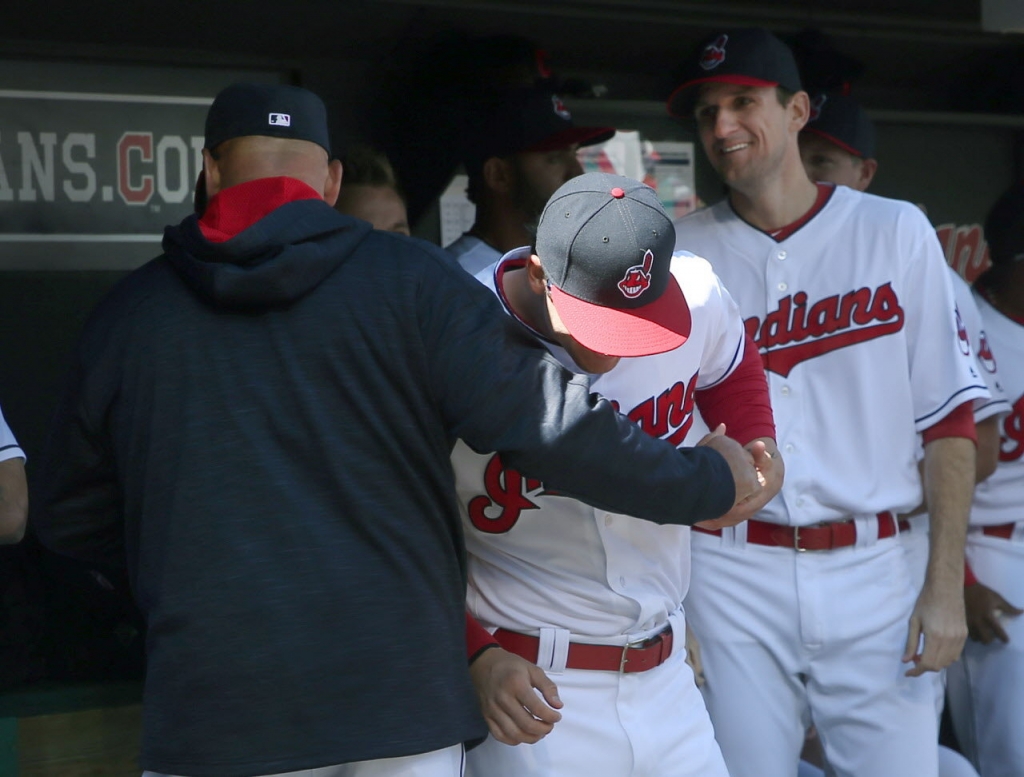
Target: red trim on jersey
(825,191)
(969,578)
(740,401)
(478,639)
(959,423)
(238,207)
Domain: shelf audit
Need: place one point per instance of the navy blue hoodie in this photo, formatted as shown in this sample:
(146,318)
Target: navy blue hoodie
(260,430)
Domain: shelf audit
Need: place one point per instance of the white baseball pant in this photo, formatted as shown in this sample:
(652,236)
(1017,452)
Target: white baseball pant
(986,686)
(789,638)
(448,762)
(644,724)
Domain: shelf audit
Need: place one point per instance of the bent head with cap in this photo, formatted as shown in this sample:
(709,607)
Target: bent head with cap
(837,145)
(258,131)
(602,264)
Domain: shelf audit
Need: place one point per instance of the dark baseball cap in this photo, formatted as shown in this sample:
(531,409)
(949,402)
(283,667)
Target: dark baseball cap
(274,110)
(750,56)
(840,120)
(606,244)
(526,119)
(1004,227)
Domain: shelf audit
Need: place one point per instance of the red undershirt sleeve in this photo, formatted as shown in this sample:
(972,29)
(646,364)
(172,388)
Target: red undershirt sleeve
(478,639)
(740,401)
(959,423)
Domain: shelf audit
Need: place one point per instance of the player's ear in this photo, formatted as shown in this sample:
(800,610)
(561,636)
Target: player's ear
(535,276)
(868,168)
(332,185)
(498,175)
(211,174)
(799,109)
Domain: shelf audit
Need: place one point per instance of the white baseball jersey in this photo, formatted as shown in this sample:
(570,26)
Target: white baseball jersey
(473,254)
(537,558)
(9,448)
(1000,498)
(854,317)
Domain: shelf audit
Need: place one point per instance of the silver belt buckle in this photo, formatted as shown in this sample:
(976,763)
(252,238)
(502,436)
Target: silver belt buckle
(796,540)
(625,649)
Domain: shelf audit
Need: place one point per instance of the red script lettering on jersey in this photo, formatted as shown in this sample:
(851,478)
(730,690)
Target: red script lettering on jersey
(668,416)
(797,331)
(1011,446)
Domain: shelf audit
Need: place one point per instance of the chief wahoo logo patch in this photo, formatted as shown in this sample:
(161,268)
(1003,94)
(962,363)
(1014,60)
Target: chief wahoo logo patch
(637,278)
(714,53)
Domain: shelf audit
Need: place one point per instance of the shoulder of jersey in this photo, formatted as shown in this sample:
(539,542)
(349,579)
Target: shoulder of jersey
(877,206)
(709,215)
(695,277)
(687,266)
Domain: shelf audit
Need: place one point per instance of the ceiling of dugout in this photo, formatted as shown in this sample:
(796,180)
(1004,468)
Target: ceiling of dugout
(926,55)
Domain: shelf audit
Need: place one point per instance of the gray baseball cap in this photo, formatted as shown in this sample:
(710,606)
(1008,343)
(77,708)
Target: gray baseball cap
(606,243)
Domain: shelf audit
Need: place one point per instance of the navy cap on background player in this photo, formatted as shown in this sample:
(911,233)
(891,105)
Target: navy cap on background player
(1004,227)
(527,119)
(750,56)
(840,120)
(274,110)
(605,243)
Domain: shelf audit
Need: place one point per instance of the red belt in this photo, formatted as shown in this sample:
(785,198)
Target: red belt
(636,657)
(1003,530)
(829,536)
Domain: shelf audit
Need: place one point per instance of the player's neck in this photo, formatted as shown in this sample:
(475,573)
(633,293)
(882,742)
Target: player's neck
(530,308)
(1008,296)
(777,202)
(501,231)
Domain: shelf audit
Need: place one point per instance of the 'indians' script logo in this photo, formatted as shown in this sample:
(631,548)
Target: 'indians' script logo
(638,277)
(714,53)
(1011,446)
(798,331)
(668,416)
(560,109)
(961,333)
(816,105)
(985,356)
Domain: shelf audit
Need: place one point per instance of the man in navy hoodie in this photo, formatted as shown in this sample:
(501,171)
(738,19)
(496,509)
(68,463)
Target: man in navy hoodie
(257,429)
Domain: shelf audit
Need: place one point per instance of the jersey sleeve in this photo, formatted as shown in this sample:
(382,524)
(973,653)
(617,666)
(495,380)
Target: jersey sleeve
(499,390)
(9,448)
(981,352)
(942,371)
(723,349)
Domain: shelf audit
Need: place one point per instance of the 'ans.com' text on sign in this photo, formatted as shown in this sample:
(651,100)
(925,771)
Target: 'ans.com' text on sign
(89,165)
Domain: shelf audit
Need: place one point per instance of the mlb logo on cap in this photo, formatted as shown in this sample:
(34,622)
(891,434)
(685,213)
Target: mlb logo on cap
(280,120)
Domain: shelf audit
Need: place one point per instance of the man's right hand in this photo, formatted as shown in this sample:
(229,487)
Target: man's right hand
(514,712)
(985,610)
(744,475)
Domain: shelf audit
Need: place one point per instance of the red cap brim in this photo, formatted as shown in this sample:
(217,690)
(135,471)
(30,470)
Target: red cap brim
(660,326)
(681,97)
(583,136)
(834,141)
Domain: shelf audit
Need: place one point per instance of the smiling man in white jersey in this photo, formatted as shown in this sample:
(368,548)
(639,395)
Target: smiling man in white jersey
(986,686)
(847,298)
(592,596)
